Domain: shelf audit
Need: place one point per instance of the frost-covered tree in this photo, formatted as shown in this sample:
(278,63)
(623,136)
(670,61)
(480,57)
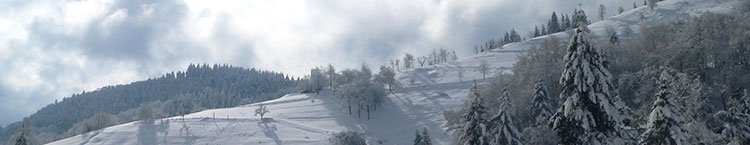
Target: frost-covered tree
(665,122)
(261,110)
(386,76)
(536,31)
(541,105)
(503,129)
(100,120)
(602,11)
(590,114)
(316,81)
(736,128)
(332,76)
(652,4)
(484,68)
(620,10)
(348,138)
(472,131)
(408,61)
(146,112)
(423,59)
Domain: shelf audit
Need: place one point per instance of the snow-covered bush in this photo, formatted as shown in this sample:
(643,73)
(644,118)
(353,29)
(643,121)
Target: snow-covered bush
(348,138)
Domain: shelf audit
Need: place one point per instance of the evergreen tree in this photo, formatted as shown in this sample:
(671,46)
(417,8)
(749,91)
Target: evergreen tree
(514,36)
(23,138)
(536,31)
(740,102)
(613,39)
(553,24)
(541,108)
(590,114)
(503,130)
(418,140)
(474,126)
(579,19)
(664,122)
(736,128)
(565,22)
(426,137)
(506,39)
(544,30)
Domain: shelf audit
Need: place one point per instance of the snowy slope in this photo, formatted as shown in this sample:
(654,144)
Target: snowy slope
(418,102)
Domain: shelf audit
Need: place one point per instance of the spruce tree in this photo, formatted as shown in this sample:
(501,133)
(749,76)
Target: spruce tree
(541,107)
(474,126)
(664,123)
(426,137)
(553,24)
(579,18)
(590,114)
(418,138)
(536,31)
(514,36)
(740,102)
(503,130)
(736,128)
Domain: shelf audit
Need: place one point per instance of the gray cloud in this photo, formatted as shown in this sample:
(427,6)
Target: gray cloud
(56,48)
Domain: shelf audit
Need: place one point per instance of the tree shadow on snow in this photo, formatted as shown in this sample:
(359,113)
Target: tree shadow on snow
(147,133)
(270,130)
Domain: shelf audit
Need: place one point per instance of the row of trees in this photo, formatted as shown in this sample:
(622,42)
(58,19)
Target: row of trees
(554,25)
(697,70)
(410,61)
(359,88)
(177,93)
(511,37)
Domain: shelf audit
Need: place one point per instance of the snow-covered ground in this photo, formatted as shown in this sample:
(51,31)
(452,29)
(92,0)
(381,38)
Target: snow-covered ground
(417,103)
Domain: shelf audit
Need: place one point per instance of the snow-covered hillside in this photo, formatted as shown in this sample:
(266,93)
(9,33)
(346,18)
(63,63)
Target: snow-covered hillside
(417,103)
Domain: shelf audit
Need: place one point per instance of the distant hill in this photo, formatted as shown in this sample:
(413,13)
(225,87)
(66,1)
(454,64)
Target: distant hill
(201,86)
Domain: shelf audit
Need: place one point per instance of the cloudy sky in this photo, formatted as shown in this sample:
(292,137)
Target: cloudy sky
(50,49)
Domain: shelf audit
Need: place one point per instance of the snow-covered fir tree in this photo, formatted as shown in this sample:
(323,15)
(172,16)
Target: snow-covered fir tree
(503,129)
(590,114)
(475,126)
(426,140)
(665,122)
(736,129)
(422,139)
(417,138)
(579,19)
(541,106)
(740,102)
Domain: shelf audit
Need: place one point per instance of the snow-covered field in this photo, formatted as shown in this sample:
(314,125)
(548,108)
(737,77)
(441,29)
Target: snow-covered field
(417,103)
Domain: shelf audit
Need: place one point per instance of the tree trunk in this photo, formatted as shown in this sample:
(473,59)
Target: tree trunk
(368,112)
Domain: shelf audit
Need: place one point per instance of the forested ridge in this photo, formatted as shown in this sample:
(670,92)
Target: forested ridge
(176,93)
